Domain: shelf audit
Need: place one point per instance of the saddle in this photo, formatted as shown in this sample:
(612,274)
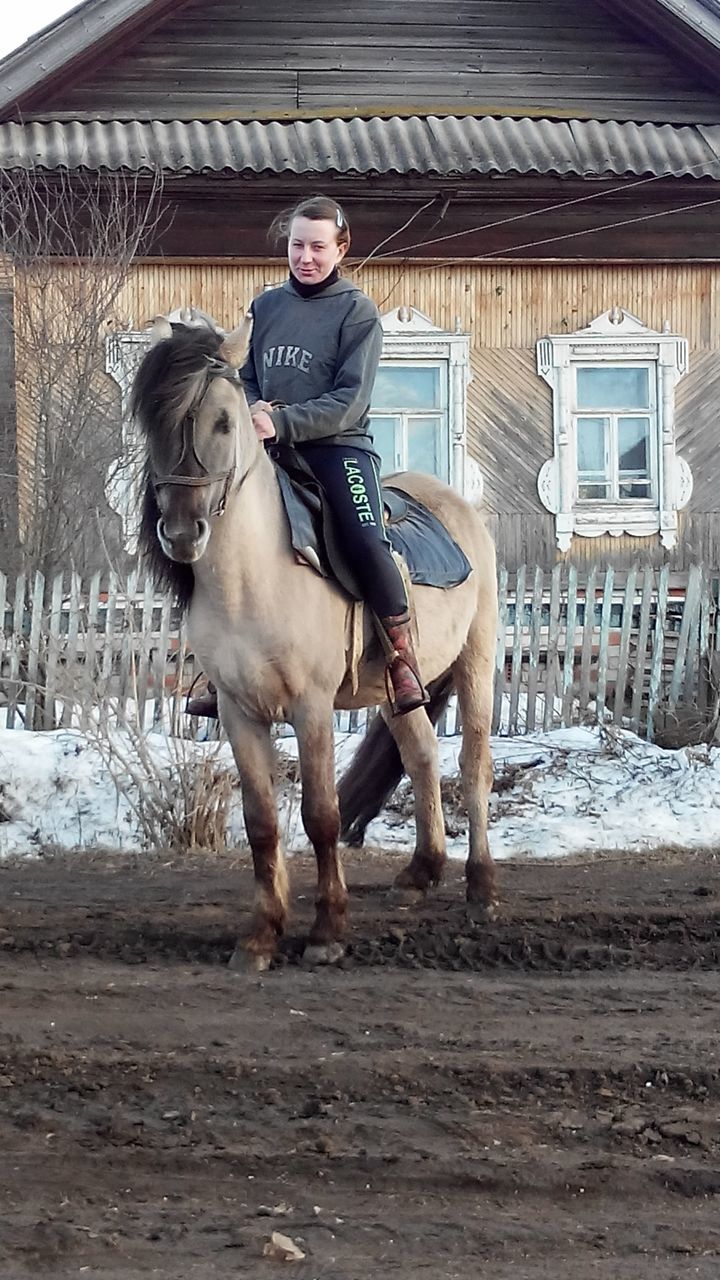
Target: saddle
(433,558)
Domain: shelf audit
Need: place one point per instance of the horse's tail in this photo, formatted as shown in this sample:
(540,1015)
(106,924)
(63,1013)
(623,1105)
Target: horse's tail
(376,768)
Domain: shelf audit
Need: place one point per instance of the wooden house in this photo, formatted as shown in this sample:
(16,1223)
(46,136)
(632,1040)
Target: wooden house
(534,191)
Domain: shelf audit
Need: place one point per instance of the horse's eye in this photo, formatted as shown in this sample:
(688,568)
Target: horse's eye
(222,423)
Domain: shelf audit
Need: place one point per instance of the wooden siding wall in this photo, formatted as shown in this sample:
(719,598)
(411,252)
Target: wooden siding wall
(506,309)
(242,59)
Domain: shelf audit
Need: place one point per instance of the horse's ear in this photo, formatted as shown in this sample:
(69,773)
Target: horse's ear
(161,329)
(235,346)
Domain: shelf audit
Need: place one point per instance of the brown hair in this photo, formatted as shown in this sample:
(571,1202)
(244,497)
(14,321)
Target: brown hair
(315,208)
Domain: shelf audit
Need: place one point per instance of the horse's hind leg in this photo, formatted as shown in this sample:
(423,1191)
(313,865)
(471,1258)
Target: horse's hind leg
(417,744)
(474,683)
(321,820)
(252,748)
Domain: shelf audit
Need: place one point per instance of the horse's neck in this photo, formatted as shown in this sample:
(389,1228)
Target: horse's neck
(249,549)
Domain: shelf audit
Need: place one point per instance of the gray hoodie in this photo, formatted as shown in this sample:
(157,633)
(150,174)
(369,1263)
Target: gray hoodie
(319,357)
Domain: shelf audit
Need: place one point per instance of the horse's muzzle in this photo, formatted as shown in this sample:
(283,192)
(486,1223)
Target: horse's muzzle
(186,544)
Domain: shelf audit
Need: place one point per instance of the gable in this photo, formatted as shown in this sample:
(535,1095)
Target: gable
(222,60)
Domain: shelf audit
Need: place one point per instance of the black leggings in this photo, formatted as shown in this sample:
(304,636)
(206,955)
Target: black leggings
(351,482)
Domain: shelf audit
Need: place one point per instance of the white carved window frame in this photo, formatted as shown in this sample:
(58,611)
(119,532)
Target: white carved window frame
(124,481)
(410,335)
(615,337)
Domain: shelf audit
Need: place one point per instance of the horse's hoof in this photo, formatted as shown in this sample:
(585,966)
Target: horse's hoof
(323,953)
(482,912)
(242,961)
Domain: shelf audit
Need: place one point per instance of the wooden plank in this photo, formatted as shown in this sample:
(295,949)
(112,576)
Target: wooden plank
(107,661)
(689,617)
(551,667)
(147,589)
(500,648)
(16,647)
(568,673)
(517,648)
(33,690)
(688,627)
(83,641)
(182,725)
(657,652)
(534,655)
(603,655)
(643,640)
(160,663)
(628,609)
(587,640)
(54,646)
(76,672)
(705,655)
(126,666)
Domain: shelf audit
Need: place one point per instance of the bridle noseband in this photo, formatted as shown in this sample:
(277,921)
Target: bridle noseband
(216,369)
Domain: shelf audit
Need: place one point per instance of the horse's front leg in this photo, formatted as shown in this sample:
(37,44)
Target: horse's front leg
(417,744)
(254,756)
(321,820)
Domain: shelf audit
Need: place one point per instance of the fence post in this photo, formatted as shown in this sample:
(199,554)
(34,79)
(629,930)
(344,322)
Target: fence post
(626,628)
(551,668)
(500,648)
(33,662)
(568,671)
(54,644)
(657,653)
(685,651)
(603,654)
(587,640)
(517,647)
(534,655)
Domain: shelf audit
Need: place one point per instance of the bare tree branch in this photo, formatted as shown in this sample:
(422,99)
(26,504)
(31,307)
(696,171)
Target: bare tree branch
(69,243)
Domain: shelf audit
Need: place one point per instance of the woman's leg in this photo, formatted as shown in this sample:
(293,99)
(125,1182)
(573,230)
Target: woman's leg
(351,483)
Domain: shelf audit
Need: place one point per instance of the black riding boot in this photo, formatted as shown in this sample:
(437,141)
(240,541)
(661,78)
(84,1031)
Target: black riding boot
(205,704)
(402,675)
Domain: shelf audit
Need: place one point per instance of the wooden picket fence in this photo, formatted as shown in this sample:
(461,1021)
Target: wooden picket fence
(641,649)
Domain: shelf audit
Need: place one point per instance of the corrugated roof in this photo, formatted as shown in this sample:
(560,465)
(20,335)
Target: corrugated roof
(433,145)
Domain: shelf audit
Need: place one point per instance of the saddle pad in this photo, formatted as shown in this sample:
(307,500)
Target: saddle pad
(432,556)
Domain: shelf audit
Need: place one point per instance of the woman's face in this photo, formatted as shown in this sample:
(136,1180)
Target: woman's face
(313,250)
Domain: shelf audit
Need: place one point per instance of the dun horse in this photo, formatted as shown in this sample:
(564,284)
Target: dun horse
(271,634)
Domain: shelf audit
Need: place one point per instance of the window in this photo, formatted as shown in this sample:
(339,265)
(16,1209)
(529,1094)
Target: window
(615,427)
(409,417)
(417,414)
(615,469)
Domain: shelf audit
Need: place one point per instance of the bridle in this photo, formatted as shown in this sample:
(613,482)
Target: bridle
(216,369)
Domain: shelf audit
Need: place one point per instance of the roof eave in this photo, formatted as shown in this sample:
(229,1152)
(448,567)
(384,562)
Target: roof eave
(77,35)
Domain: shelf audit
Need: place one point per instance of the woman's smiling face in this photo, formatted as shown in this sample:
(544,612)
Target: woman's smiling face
(313,249)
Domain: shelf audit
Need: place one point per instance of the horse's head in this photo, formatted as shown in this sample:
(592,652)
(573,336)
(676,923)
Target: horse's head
(189,401)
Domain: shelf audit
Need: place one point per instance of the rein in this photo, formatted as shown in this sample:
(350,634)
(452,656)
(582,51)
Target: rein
(216,369)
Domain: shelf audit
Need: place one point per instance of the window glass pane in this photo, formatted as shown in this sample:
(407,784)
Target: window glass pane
(591,445)
(593,481)
(613,387)
(424,447)
(409,387)
(385,432)
(634,446)
(634,457)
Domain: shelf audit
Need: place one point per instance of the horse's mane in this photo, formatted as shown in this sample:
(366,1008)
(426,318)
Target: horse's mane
(164,387)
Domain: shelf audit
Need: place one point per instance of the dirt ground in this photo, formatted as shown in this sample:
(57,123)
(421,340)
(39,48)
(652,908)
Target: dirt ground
(535,1099)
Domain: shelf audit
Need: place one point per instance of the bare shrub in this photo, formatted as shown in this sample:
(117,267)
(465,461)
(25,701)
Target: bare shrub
(67,243)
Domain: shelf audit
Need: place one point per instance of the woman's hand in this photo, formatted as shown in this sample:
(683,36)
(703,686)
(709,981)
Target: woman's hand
(262,422)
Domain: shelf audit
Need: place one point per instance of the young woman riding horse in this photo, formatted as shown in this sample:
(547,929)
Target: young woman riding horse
(272,634)
(314,353)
